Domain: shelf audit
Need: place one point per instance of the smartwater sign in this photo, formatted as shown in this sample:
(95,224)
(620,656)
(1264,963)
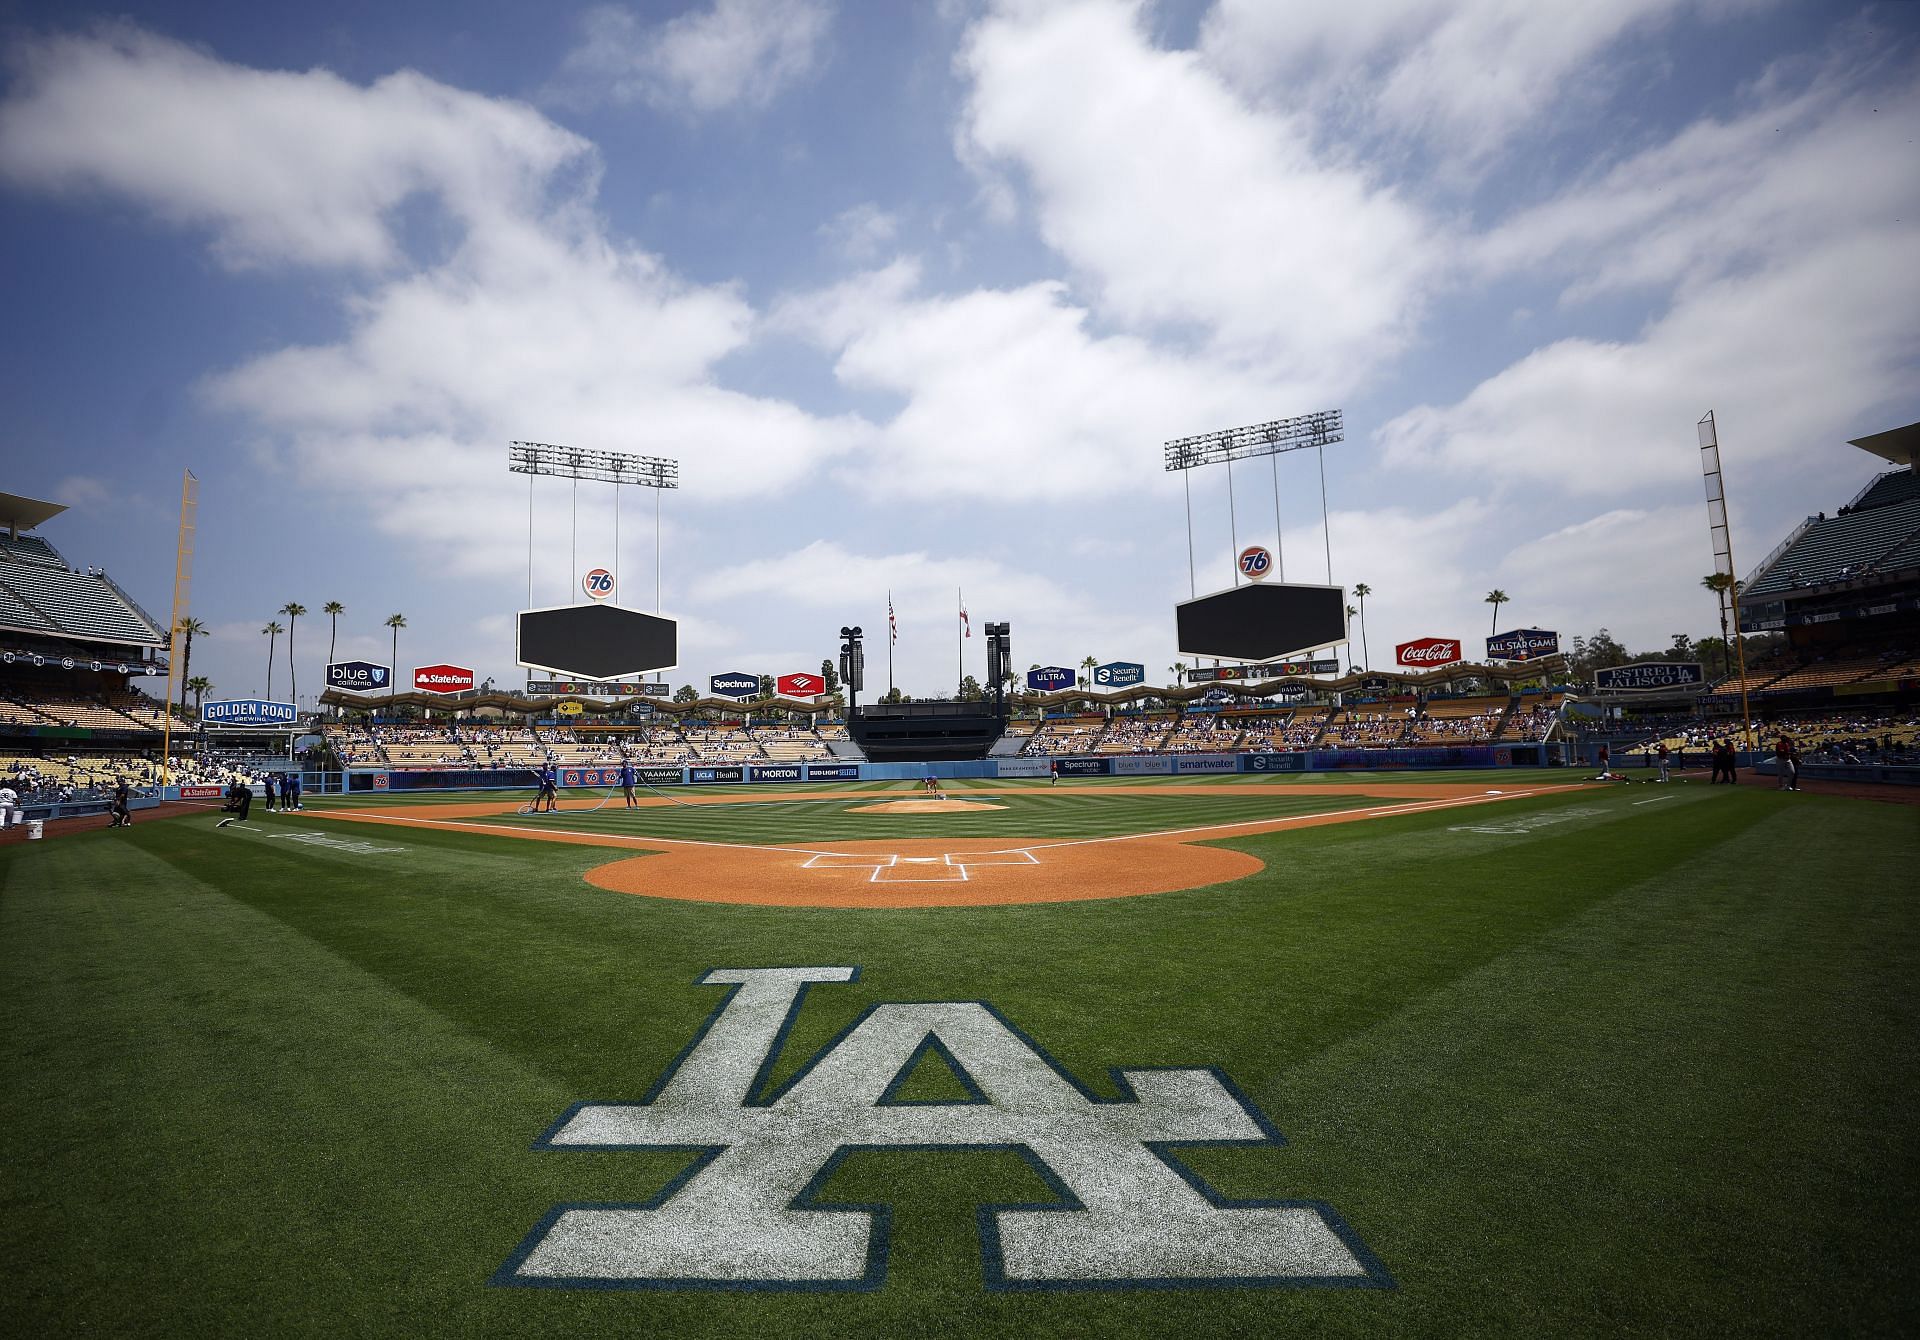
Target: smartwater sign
(247,712)
(358,676)
(1050,679)
(1119,674)
(1651,675)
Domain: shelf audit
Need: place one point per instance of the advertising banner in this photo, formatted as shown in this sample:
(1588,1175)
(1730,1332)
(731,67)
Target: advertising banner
(598,688)
(1205,763)
(833,772)
(600,776)
(1651,675)
(1278,669)
(1255,562)
(1119,675)
(1207,674)
(442,678)
(1523,644)
(1427,653)
(659,776)
(1084,767)
(733,684)
(598,584)
(779,772)
(358,676)
(1021,767)
(202,792)
(801,685)
(1050,679)
(715,775)
(1141,765)
(247,712)
(1273,762)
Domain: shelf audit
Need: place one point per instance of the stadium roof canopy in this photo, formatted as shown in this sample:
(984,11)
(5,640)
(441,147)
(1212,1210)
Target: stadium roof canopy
(1896,444)
(18,513)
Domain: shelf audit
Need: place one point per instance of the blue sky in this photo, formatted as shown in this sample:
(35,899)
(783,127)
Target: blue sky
(915,293)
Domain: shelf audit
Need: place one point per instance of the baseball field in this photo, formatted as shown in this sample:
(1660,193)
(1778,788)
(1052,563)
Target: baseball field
(1488,1053)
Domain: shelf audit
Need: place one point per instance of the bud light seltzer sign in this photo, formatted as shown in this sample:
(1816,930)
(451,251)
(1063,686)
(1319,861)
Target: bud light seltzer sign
(1428,652)
(1651,675)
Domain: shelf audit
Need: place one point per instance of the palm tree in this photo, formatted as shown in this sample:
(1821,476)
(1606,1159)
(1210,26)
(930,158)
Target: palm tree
(1351,611)
(1722,585)
(272,633)
(200,686)
(1361,590)
(189,627)
(333,609)
(396,622)
(1496,598)
(293,609)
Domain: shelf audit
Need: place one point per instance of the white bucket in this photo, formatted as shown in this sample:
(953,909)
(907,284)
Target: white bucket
(34,829)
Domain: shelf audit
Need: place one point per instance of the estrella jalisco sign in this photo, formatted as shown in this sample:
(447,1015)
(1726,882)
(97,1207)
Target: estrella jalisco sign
(247,712)
(1651,675)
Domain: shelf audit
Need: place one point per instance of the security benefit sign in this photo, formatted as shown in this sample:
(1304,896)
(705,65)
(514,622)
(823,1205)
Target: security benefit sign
(1119,674)
(1523,644)
(359,676)
(1651,675)
(247,712)
(1050,679)
(748,1212)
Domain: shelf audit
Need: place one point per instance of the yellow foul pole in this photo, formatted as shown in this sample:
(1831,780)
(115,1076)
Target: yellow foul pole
(182,581)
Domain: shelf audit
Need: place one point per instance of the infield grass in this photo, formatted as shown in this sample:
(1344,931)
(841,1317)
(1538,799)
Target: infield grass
(1646,1066)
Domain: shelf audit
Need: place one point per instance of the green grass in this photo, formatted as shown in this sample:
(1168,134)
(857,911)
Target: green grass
(1648,1070)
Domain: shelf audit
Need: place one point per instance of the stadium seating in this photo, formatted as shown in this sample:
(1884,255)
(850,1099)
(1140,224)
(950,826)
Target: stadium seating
(1066,735)
(1201,733)
(1459,721)
(1838,548)
(40,593)
(1134,735)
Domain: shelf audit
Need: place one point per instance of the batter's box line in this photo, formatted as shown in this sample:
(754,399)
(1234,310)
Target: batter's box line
(893,868)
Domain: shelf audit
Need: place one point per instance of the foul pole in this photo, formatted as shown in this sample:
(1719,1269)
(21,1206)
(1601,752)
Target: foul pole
(182,582)
(1722,534)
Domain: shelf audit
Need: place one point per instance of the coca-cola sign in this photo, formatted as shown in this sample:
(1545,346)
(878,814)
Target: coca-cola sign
(1427,652)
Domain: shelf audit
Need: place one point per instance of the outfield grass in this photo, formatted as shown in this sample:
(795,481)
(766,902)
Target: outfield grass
(1650,1068)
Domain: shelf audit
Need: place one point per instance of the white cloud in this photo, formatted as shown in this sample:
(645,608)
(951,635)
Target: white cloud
(1008,389)
(1182,205)
(862,232)
(282,166)
(1783,245)
(732,53)
(1463,77)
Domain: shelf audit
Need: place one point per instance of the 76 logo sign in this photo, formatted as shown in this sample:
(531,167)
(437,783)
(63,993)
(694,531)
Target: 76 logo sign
(1255,561)
(598,584)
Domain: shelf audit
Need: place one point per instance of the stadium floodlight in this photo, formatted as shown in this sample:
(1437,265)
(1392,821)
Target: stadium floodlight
(606,467)
(1260,439)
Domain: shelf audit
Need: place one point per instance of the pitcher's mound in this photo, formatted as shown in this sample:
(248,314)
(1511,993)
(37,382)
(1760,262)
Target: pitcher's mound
(923,807)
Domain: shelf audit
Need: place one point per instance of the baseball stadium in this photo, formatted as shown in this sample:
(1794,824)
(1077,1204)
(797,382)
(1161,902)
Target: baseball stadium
(808,865)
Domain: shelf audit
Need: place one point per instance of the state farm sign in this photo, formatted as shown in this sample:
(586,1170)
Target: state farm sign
(1428,652)
(442,679)
(800,686)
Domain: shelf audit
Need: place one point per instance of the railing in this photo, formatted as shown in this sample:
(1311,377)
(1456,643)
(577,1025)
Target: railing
(1779,549)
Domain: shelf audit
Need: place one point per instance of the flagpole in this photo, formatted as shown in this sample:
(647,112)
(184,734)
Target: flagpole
(892,636)
(959,647)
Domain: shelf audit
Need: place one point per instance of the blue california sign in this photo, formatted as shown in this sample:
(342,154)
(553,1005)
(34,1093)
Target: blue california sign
(1119,674)
(1050,679)
(734,684)
(358,675)
(247,712)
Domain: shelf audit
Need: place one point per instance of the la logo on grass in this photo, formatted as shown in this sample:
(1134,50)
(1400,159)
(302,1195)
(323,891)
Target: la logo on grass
(745,1215)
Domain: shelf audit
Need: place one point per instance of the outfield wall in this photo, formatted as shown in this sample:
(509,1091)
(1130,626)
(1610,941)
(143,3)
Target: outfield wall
(605,776)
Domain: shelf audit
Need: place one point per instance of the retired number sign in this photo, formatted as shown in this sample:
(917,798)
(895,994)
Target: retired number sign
(745,1215)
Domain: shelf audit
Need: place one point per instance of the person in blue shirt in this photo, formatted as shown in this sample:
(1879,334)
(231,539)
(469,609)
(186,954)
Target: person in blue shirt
(290,792)
(626,785)
(549,790)
(266,782)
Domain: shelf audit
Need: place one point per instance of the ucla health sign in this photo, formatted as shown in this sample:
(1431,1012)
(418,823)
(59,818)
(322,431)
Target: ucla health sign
(1050,679)
(246,712)
(1523,644)
(358,676)
(1119,674)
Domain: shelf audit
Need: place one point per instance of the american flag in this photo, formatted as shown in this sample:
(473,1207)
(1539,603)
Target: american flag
(965,626)
(893,627)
